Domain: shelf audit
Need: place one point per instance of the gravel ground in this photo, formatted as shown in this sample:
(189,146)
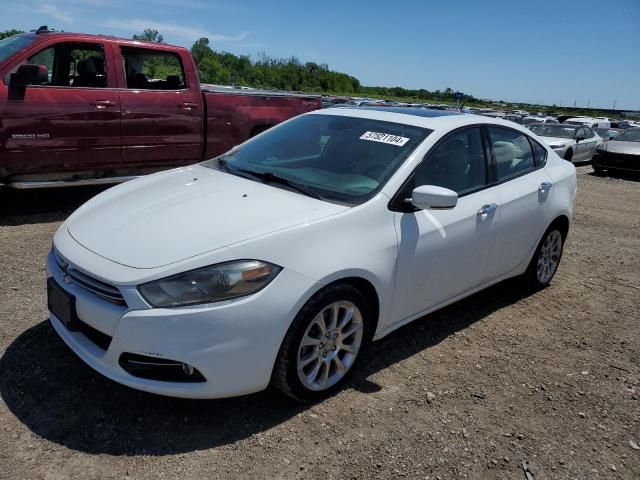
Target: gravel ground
(476,390)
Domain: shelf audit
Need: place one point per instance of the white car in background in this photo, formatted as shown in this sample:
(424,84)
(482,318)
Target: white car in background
(596,122)
(575,143)
(279,261)
(526,121)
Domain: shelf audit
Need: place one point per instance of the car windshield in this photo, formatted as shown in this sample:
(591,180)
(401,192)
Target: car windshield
(337,158)
(630,135)
(13,44)
(553,130)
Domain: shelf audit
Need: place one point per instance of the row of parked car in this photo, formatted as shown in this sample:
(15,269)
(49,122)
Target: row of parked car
(609,143)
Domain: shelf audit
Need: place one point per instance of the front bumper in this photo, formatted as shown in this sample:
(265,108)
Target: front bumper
(233,344)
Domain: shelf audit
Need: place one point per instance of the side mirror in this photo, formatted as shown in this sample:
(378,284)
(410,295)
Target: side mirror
(29,75)
(431,196)
(579,139)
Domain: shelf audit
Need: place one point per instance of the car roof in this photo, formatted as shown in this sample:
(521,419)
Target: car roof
(420,117)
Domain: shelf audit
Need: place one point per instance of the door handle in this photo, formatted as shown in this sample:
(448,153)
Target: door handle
(100,104)
(485,210)
(545,187)
(187,105)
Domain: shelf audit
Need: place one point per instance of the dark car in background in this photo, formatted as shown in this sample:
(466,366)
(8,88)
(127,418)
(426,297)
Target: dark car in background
(621,153)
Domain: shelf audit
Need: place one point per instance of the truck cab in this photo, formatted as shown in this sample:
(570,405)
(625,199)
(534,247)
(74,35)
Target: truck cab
(79,108)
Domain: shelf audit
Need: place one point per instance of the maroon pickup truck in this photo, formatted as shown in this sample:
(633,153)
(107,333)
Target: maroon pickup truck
(86,109)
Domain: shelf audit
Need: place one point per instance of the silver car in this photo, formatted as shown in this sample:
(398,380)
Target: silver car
(575,143)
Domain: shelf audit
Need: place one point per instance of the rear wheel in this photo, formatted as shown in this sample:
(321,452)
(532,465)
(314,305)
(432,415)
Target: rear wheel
(568,155)
(546,259)
(323,344)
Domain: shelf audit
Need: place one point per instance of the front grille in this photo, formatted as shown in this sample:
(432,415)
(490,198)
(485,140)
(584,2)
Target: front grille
(95,286)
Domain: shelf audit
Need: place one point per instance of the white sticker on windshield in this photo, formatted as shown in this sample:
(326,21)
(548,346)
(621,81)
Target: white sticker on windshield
(384,138)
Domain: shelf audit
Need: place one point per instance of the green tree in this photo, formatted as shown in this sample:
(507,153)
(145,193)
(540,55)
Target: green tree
(9,33)
(149,35)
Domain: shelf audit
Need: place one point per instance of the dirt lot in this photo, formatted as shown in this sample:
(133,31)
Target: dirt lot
(473,391)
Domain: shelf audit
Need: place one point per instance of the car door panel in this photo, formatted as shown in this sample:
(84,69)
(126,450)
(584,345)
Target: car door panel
(162,115)
(64,126)
(523,217)
(443,253)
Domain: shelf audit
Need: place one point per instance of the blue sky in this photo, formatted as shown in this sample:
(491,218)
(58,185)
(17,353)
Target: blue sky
(557,51)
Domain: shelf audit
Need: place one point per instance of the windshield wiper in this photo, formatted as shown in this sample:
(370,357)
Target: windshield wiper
(269,177)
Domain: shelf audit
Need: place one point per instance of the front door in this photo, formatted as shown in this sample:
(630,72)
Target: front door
(444,253)
(68,121)
(162,116)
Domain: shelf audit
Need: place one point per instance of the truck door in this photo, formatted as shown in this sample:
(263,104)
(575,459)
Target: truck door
(70,119)
(162,110)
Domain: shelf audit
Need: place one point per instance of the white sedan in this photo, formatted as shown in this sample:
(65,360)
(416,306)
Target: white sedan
(280,261)
(575,143)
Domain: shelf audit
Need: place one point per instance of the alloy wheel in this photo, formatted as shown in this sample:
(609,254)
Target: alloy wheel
(330,345)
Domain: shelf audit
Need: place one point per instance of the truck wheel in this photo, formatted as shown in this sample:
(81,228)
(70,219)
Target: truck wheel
(568,155)
(323,344)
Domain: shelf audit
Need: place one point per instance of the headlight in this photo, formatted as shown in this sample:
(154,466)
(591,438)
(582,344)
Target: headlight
(210,284)
(556,147)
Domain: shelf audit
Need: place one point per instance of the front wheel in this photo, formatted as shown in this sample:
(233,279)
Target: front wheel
(598,170)
(323,344)
(546,259)
(568,156)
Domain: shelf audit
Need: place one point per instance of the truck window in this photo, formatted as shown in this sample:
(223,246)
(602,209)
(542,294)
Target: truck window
(71,65)
(152,70)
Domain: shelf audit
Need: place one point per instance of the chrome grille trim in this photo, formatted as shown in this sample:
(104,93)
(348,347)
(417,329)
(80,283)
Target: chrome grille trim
(97,287)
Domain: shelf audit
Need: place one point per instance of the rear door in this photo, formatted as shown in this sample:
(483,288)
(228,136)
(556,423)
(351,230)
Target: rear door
(162,109)
(71,121)
(523,187)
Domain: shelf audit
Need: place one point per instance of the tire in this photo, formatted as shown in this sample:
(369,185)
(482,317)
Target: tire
(548,254)
(598,170)
(295,361)
(568,155)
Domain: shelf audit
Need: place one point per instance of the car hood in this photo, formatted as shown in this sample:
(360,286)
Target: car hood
(558,141)
(168,217)
(617,146)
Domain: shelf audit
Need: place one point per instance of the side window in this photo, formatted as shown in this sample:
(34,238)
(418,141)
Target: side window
(84,66)
(539,153)
(71,65)
(512,152)
(588,133)
(458,163)
(580,133)
(152,70)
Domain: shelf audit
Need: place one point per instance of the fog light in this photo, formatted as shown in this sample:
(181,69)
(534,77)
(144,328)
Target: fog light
(187,369)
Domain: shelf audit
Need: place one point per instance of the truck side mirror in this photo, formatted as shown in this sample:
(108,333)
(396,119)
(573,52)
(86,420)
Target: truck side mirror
(29,75)
(26,75)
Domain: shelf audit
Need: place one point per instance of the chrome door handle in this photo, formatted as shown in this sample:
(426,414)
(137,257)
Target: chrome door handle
(487,209)
(187,105)
(545,187)
(100,104)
